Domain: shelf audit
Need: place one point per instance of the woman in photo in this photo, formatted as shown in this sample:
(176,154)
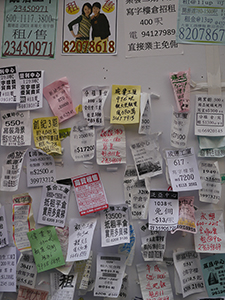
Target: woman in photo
(100,24)
(84,21)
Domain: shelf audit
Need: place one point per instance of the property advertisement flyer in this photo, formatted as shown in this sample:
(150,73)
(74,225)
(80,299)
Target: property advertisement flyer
(89,27)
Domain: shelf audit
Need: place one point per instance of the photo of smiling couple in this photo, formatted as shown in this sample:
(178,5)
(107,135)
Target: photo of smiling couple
(91,30)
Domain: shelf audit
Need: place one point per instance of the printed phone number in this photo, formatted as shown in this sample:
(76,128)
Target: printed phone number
(201,34)
(41,180)
(30,8)
(28,48)
(88,47)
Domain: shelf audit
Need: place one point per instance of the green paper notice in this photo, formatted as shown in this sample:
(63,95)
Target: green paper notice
(46,248)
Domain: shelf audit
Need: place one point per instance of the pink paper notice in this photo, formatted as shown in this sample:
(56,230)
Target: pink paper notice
(59,99)
(181,87)
(89,192)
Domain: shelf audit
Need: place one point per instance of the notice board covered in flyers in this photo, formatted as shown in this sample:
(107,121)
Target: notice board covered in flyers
(89,27)
(121,237)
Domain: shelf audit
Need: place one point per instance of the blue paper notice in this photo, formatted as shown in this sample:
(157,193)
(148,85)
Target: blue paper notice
(201,22)
(213,273)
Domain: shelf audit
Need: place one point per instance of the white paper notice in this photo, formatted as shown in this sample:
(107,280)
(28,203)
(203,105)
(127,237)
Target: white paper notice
(8,269)
(186,221)
(179,129)
(211,182)
(145,114)
(23,221)
(26,271)
(183,169)
(115,228)
(108,282)
(188,267)
(163,210)
(209,115)
(139,200)
(130,176)
(93,100)
(82,142)
(210,236)
(128,249)
(154,281)
(111,145)
(150,28)
(9,85)
(54,203)
(81,233)
(146,155)
(83,269)
(62,286)
(40,168)
(4,240)
(153,243)
(16,128)
(63,236)
(31,90)
(11,171)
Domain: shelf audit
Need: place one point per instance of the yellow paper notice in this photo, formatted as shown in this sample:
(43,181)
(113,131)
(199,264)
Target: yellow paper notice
(125,104)
(46,135)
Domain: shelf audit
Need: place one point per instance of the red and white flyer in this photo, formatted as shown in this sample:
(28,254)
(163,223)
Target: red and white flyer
(90,193)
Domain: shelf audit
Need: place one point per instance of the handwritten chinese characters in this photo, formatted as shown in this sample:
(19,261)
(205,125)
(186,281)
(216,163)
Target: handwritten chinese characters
(181,87)
(125,104)
(111,146)
(80,238)
(210,237)
(154,281)
(46,248)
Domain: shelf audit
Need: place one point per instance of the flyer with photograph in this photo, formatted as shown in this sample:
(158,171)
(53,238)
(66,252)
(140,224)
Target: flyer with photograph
(89,27)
